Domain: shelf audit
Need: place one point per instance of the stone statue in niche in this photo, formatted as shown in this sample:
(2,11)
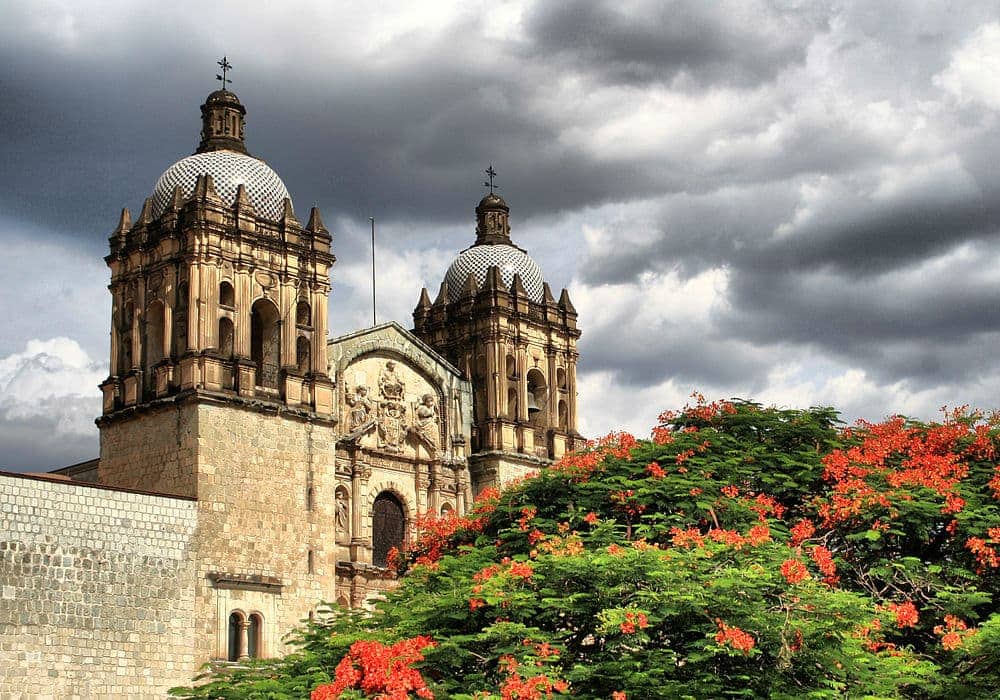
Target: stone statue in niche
(343,511)
(392,426)
(427,423)
(360,408)
(390,384)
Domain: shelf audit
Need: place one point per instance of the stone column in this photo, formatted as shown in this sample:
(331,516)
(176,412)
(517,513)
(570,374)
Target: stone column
(571,392)
(244,639)
(116,319)
(194,313)
(522,383)
(552,405)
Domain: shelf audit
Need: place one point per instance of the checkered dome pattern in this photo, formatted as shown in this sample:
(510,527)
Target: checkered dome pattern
(478,260)
(229,170)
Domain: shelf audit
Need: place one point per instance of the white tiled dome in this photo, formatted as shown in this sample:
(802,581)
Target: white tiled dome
(229,170)
(478,260)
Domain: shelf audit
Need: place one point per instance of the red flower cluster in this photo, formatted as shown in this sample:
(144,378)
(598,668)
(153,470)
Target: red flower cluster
(655,470)
(986,555)
(527,515)
(581,464)
(375,668)
(892,457)
(953,632)
(824,562)
(516,687)
(734,637)
(906,614)
(802,531)
(634,620)
(794,571)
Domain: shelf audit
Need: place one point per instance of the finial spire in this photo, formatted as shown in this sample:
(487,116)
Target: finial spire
(491,173)
(226,66)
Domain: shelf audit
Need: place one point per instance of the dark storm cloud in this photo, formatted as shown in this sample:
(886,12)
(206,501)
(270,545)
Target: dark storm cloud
(656,42)
(809,151)
(678,351)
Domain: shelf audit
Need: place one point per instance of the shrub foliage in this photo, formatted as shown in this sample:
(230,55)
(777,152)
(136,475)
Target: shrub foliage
(741,551)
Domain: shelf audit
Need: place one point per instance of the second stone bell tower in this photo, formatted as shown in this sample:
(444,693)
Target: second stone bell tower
(497,320)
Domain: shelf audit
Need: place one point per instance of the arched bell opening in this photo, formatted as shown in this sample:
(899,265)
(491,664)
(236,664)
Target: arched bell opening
(538,399)
(227,295)
(265,342)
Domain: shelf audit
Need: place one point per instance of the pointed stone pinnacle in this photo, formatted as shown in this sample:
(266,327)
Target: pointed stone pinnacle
(493,278)
(425,300)
(547,297)
(124,223)
(176,198)
(146,215)
(288,214)
(316,222)
(517,287)
(242,202)
(565,304)
(442,297)
(471,286)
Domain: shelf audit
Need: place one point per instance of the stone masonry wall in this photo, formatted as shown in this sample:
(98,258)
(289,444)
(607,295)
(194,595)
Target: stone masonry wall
(255,468)
(96,591)
(153,450)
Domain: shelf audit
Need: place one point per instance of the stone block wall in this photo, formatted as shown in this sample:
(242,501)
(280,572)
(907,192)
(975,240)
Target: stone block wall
(153,449)
(96,591)
(255,470)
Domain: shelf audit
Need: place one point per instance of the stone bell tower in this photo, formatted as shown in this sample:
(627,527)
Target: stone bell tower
(219,294)
(497,320)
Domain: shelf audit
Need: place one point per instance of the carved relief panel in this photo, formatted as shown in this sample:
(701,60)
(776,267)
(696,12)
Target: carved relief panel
(392,408)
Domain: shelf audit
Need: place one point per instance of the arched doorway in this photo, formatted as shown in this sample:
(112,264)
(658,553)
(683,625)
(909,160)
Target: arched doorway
(388,527)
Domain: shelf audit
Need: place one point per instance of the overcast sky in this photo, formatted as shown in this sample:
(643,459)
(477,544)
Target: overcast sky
(793,202)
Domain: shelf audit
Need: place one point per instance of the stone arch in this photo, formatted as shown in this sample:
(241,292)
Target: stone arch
(255,635)
(303,313)
(303,353)
(227,294)
(265,341)
(538,397)
(389,527)
(374,491)
(234,634)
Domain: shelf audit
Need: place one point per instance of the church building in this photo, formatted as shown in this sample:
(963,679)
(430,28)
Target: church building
(251,466)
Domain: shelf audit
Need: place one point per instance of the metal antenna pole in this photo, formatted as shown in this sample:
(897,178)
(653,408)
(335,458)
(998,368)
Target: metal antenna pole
(372,219)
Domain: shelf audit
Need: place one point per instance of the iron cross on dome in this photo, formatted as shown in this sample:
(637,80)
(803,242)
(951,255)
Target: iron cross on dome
(491,173)
(226,66)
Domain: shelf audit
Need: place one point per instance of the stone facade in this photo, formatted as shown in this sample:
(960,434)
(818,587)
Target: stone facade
(405,417)
(96,590)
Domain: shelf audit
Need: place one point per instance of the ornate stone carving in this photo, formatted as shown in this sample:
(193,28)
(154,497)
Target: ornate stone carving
(390,384)
(343,512)
(392,426)
(361,408)
(427,426)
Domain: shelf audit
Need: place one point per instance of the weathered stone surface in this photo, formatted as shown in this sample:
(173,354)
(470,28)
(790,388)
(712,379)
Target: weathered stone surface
(96,591)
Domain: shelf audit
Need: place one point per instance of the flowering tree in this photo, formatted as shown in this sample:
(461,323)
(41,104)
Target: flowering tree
(741,551)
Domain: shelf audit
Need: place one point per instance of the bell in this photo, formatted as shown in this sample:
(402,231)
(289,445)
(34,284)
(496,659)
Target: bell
(532,405)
